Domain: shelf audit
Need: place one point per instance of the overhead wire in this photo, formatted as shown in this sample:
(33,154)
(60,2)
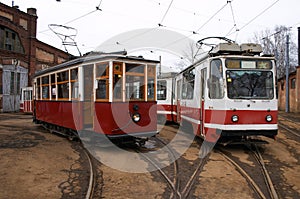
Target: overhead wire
(77,18)
(163,18)
(234,21)
(136,35)
(148,30)
(80,17)
(212,16)
(196,32)
(254,18)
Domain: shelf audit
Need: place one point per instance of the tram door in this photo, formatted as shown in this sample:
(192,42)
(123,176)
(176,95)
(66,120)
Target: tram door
(202,98)
(88,101)
(178,97)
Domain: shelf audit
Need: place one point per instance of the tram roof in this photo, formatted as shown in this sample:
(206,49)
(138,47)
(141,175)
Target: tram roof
(94,57)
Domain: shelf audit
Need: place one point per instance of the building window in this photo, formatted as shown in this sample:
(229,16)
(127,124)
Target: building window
(15,83)
(293,83)
(1,89)
(12,83)
(18,91)
(9,40)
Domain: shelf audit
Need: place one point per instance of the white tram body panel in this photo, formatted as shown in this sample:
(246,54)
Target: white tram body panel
(229,93)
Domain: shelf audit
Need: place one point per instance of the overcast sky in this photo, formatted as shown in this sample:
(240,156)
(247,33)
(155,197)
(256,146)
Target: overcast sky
(237,19)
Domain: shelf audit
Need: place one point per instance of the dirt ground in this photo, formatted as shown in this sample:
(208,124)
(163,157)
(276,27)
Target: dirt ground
(37,164)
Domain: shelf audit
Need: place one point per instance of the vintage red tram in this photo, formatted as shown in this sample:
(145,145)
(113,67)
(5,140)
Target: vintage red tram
(103,94)
(230,93)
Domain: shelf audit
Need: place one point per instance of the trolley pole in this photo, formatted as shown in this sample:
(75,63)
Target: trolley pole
(287,97)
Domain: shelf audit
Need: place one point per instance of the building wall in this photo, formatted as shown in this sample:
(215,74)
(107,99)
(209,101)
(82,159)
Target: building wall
(15,77)
(21,52)
(297,97)
(294,92)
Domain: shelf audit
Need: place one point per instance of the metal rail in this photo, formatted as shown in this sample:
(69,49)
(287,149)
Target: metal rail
(254,186)
(90,191)
(187,189)
(267,177)
(175,183)
(288,130)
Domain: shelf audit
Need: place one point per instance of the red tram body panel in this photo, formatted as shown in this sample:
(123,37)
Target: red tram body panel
(105,119)
(111,94)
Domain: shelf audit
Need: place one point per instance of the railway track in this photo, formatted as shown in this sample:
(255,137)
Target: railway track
(257,187)
(268,180)
(172,183)
(92,179)
(282,124)
(180,189)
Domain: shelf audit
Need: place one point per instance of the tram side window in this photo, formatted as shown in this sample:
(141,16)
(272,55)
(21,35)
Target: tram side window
(178,85)
(117,80)
(53,86)
(63,85)
(102,78)
(151,83)
(135,82)
(38,89)
(161,90)
(74,84)
(188,84)
(45,87)
(215,81)
(203,78)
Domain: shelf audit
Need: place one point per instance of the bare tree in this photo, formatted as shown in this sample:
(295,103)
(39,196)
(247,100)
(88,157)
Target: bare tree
(274,43)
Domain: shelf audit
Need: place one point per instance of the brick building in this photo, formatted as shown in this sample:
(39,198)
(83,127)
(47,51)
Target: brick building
(294,92)
(21,54)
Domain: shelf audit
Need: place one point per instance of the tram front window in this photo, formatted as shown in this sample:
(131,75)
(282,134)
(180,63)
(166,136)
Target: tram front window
(135,82)
(216,82)
(250,84)
(135,87)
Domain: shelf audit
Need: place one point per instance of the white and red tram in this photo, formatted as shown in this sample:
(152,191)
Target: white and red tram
(229,93)
(26,101)
(106,94)
(166,107)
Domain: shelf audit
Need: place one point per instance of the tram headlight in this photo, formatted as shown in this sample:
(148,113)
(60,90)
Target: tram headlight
(235,118)
(136,117)
(269,118)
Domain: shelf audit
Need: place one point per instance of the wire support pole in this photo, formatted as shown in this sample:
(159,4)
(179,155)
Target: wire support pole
(287,97)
